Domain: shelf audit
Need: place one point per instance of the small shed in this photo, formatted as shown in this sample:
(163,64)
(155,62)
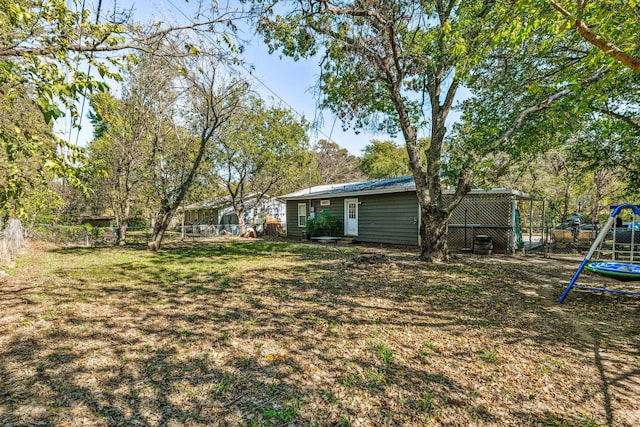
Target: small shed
(97,220)
(387,211)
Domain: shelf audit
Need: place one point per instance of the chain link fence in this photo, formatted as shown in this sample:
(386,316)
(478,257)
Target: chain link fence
(75,235)
(83,235)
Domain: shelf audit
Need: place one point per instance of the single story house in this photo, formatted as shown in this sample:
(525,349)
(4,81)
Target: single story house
(387,211)
(219,211)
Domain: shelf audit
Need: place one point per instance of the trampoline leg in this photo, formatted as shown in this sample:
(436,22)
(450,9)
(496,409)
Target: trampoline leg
(573,279)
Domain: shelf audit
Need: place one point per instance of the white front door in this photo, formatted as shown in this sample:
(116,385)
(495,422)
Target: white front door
(351,217)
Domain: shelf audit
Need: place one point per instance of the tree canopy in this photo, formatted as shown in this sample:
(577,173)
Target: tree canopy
(611,27)
(262,149)
(398,66)
(330,164)
(49,51)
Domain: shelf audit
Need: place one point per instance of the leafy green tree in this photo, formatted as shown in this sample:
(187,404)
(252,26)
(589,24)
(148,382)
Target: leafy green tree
(199,100)
(385,159)
(396,66)
(559,95)
(263,148)
(45,48)
(612,27)
(121,147)
(607,148)
(29,156)
(41,44)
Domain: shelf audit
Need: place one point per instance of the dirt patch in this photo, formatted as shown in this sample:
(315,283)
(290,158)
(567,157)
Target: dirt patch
(283,334)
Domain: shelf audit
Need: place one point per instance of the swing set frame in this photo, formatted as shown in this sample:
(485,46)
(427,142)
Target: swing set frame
(596,247)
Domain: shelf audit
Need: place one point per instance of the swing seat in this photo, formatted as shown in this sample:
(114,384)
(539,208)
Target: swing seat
(616,270)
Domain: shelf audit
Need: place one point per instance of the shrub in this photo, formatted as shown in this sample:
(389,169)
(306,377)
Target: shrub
(324,225)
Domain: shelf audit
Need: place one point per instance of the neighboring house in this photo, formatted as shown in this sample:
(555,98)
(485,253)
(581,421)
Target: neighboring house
(219,211)
(387,211)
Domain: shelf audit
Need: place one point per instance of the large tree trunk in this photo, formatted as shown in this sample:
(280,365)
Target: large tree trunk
(434,211)
(433,234)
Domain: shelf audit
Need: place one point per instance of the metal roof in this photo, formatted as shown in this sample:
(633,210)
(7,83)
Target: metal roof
(224,202)
(381,186)
(209,204)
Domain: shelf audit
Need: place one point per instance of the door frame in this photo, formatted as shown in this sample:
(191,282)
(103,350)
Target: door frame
(346,216)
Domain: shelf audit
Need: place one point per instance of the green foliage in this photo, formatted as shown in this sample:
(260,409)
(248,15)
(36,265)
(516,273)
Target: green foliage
(376,378)
(611,27)
(324,225)
(31,156)
(489,356)
(575,101)
(397,67)
(40,205)
(91,230)
(121,151)
(426,403)
(385,159)
(282,415)
(41,44)
(261,150)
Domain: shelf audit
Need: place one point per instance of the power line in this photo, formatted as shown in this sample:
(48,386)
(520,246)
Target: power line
(257,79)
(84,97)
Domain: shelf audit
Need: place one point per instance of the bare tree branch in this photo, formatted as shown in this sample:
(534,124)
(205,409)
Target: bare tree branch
(634,121)
(543,106)
(134,43)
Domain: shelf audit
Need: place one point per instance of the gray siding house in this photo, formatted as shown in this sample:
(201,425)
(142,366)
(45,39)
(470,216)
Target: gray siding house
(386,211)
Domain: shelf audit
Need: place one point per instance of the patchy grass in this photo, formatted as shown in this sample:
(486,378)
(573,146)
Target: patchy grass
(275,333)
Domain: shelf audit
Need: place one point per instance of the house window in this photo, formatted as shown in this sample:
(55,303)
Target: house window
(352,211)
(302,214)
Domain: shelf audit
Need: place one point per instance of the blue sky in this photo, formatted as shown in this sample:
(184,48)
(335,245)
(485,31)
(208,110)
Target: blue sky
(274,76)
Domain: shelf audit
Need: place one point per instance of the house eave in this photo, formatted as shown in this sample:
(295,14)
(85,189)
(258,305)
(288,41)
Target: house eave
(329,195)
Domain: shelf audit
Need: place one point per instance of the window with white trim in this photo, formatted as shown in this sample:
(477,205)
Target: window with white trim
(302,214)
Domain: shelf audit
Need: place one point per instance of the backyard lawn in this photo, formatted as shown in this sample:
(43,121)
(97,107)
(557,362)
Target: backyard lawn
(280,333)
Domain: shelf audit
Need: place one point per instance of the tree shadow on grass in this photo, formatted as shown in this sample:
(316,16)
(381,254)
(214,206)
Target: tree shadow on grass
(122,380)
(164,340)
